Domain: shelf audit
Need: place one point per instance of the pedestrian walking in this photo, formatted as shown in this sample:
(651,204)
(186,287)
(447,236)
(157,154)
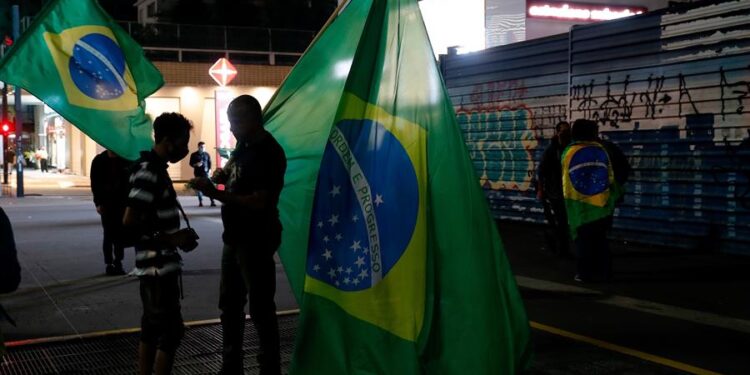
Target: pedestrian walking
(201,163)
(109,184)
(152,221)
(254,177)
(550,192)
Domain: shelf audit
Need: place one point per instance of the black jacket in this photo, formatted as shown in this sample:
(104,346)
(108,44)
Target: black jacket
(10,270)
(110,180)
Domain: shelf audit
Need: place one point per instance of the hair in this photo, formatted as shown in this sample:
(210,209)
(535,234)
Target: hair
(201,143)
(560,124)
(584,130)
(171,125)
(247,107)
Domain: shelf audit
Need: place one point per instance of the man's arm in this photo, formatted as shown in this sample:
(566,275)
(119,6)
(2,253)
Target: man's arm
(96,182)
(10,270)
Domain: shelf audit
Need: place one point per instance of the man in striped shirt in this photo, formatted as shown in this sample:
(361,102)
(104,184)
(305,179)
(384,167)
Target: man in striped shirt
(152,221)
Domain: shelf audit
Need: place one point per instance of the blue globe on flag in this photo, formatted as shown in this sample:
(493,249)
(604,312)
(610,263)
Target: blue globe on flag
(589,170)
(365,208)
(97,67)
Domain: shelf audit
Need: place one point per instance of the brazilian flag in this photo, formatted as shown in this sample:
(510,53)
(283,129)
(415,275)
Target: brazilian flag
(388,241)
(589,185)
(79,62)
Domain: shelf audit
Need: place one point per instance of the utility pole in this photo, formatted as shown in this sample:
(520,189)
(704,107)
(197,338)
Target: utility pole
(3,120)
(19,118)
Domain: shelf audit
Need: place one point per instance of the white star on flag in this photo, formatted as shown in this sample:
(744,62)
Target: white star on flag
(347,280)
(363,274)
(339,236)
(360,261)
(332,273)
(356,281)
(316,268)
(378,200)
(340,269)
(320,224)
(334,219)
(326,239)
(355,246)
(327,254)
(355,218)
(335,191)
(348,270)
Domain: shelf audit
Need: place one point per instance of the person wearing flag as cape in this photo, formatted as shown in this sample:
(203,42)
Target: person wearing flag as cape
(254,177)
(591,187)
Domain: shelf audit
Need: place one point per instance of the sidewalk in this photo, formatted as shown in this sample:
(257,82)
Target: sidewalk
(53,183)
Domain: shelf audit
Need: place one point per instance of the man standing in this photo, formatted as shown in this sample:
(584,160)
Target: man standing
(152,221)
(9,160)
(550,192)
(109,184)
(201,163)
(42,156)
(254,177)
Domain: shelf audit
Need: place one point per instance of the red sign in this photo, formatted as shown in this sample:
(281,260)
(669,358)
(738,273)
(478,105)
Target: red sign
(580,11)
(222,72)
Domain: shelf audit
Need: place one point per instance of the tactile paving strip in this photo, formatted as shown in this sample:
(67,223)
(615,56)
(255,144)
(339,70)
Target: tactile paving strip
(199,353)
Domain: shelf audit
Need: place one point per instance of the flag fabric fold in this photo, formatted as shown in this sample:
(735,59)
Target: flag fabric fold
(83,65)
(388,242)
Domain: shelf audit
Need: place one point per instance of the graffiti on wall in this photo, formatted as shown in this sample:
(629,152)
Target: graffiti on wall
(502,142)
(647,98)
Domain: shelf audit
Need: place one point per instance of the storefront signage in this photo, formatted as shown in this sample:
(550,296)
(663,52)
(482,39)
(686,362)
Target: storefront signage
(580,11)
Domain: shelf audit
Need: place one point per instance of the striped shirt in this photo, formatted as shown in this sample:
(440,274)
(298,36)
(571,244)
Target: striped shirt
(153,197)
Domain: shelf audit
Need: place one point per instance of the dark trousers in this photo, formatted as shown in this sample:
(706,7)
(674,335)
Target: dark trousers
(248,274)
(594,258)
(43,163)
(161,322)
(200,197)
(112,225)
(556,234)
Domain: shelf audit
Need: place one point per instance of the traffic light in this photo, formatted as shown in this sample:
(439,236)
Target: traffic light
(7,128)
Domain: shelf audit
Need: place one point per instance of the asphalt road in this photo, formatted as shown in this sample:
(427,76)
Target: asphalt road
(666,312)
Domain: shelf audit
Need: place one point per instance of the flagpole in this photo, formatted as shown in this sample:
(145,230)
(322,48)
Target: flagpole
(17,105)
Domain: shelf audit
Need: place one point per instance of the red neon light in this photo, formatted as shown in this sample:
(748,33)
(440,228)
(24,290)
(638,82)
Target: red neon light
(581,12)
(222,72)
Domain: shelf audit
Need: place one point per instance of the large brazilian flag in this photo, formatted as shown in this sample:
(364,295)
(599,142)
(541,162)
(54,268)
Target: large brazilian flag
(388,241)
(79,62)
(589,185)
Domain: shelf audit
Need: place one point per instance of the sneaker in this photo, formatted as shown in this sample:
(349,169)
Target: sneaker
(577,278)
(213,204)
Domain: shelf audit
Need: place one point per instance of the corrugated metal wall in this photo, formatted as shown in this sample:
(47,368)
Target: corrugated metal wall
(671,88)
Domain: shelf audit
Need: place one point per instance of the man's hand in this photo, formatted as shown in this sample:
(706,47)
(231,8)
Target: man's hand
(219,177)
